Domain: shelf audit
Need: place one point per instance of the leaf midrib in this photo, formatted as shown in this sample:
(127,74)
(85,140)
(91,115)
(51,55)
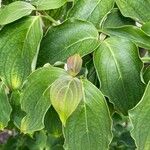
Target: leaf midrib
(118,69)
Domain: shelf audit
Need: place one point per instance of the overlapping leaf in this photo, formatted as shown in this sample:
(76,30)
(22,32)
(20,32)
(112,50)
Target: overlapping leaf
(141,120)
(135,9)
(89,127)
(115,19)
(33,100)
(73,36)
(48,4)
(147,75)
(19,43)
(65,96)
(94,11)
(5,108)
(118,67)
(15,11)
(130,32)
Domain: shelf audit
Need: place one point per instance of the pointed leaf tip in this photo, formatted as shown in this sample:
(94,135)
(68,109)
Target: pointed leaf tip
(65,95)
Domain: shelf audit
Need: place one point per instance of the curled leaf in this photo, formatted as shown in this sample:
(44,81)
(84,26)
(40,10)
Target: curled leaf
(65,95)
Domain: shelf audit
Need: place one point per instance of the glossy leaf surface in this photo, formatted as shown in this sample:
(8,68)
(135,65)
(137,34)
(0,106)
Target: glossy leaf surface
(121,83)
(18,50)
(94,11)
(67,39)
(89,127)
(140,119)
(35,97)
(15,11)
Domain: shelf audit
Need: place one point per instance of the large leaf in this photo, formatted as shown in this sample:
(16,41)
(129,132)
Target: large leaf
(35,99)
(118,67)
(5,108)
(141,121)
(130,32)
(135,9)
(48,4)
(94,11)
(73,36)
(19,43)
(15,11)
(89,127)
(115,19)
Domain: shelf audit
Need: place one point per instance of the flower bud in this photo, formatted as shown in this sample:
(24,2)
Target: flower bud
(74,64)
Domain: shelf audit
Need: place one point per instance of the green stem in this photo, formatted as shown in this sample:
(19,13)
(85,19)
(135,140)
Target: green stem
(146,59)
(45,15)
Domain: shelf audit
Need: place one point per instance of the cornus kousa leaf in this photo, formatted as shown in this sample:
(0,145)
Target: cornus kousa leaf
(121,83)
(48,4)
(135,34)
(5,108)
(71,37)
(15,11)
(65,95)
(94,11)
(139,116)
(116,19)
(135,9)
(35,97)
(89,127)
(19,44)
(74,64)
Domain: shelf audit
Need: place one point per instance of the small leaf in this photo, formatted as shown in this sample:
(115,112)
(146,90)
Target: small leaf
(48,4)
(15,11)
(119,67)
(135,9)
(133,33)
(67,39)
(94,11)
(19,44)
(139,116)
(74,64)
(5,108)
(33,99)
(89,127)
(65,95)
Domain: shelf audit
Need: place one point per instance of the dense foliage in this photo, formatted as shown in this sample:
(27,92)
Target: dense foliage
(75,75)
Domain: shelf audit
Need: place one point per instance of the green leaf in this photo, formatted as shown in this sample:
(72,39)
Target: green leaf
(130,32)
(139,116)
(17,114)
(89,127)
(146,28)
(52,123)
(5,108)
(118,67)
(65,96)
(115,19)
(146,75)
(35,99)
(67,39)
(48,4)
(135,9)
(15,11)
(94,11)
(19,43)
